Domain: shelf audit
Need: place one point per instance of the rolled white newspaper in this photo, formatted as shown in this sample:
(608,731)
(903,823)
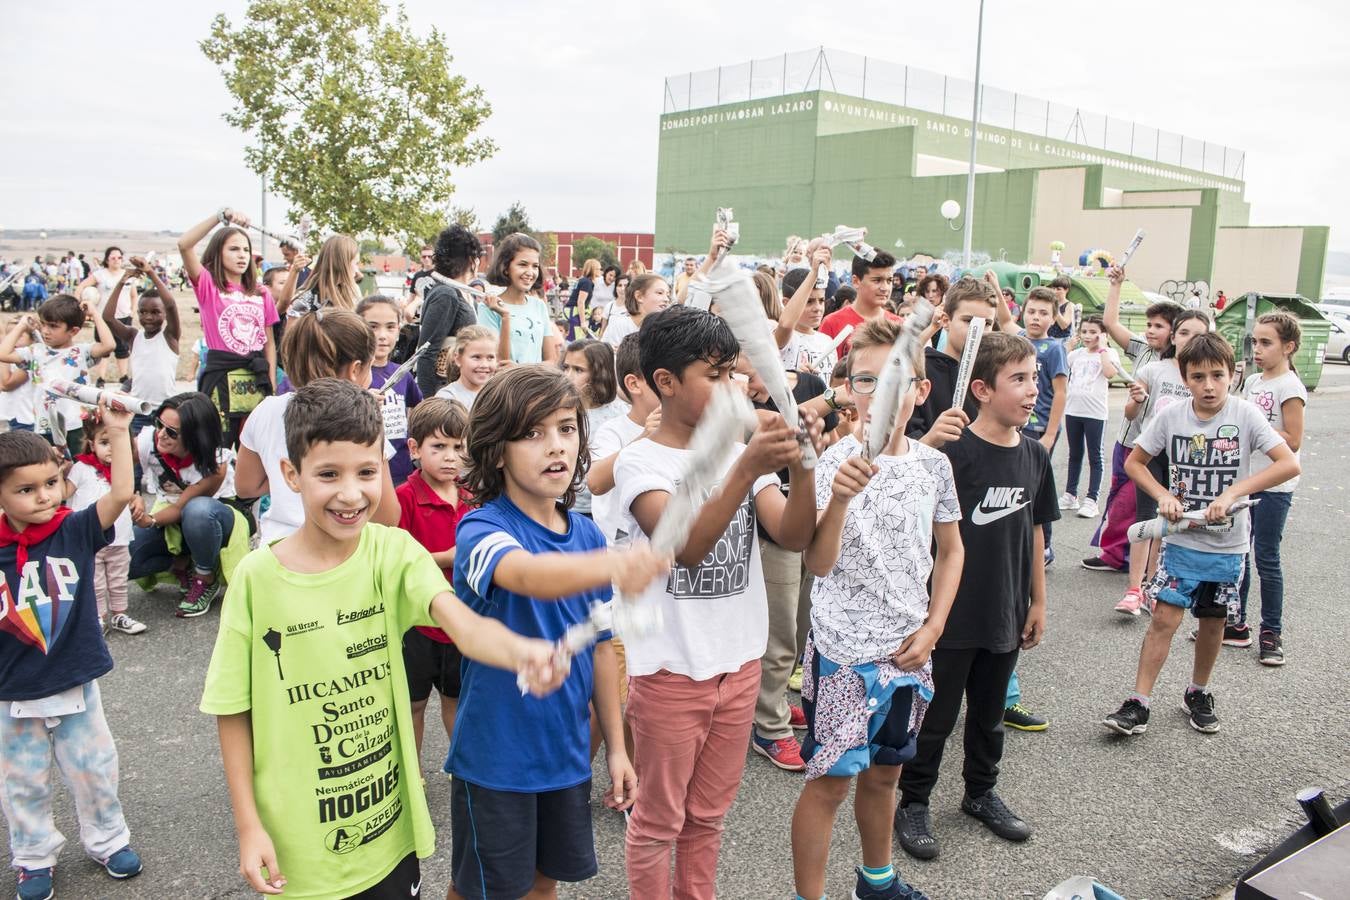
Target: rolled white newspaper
(819,361)
(92,396)
(1134,245)
(726,220)
(739,306)
(968,354)
(1154,529)
(894,380)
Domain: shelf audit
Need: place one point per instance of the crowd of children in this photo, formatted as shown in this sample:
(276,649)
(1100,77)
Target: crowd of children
(442,529)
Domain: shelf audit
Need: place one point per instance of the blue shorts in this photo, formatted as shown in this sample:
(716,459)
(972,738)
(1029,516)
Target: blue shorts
(1204,583)
(499,839)
(858,716)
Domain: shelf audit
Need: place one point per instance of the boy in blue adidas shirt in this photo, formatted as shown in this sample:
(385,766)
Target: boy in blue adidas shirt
(520,800)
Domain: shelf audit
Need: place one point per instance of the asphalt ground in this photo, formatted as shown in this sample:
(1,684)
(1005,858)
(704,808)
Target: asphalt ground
(1170,814)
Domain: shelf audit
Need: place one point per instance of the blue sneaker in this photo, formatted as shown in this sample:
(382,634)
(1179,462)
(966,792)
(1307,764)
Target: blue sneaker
(125,863)
(896,890)
(36,884)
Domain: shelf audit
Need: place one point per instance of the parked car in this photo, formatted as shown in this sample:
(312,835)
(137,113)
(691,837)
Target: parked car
(1338,341)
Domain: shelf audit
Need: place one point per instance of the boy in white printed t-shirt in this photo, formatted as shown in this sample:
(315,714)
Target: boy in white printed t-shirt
(1208,445)
(57,357)
(868,676)
(693,686)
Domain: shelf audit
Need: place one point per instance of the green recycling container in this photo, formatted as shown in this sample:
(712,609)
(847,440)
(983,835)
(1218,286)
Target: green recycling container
(1232,324)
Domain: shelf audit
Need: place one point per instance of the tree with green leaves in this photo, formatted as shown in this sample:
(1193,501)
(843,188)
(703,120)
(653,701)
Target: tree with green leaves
(356,120)
(513,220)
(591,247)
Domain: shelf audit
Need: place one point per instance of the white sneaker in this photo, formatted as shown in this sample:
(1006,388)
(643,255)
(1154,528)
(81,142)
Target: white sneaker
(1068,501)
(1088,509)
(125,624)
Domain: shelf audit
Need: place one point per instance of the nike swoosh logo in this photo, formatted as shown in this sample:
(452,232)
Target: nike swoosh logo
(983,517)
(417,888)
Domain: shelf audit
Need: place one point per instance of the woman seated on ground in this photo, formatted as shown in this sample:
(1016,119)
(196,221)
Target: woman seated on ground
(183,526)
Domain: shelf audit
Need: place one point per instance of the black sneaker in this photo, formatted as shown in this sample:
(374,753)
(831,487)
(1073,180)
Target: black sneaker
(1199,705)
(1097,564)
(996,816)
(1131,718)
(1272,648)
(914,828)
(1019,717)
(1237,636)
(896,890)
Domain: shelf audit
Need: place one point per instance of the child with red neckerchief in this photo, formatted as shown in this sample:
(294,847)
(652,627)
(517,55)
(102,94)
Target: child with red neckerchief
(90,478)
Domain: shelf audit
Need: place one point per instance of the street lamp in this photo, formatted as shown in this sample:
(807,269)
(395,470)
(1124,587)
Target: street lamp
(974,135)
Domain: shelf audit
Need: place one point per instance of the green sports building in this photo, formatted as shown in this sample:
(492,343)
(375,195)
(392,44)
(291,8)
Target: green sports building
(800,143)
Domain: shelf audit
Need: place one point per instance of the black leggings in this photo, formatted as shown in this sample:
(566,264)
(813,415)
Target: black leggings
(981,678)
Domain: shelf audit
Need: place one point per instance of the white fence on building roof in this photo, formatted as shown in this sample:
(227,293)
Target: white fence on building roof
(886,82)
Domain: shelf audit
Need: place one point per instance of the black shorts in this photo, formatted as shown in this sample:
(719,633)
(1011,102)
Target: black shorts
(430,664)
(121,350)
(1145,507)
(403,882)
(499,839)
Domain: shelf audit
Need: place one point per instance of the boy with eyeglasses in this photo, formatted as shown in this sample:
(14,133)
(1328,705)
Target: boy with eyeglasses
(868,679)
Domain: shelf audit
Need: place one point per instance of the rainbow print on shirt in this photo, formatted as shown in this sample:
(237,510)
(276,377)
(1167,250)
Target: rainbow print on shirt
(38,614)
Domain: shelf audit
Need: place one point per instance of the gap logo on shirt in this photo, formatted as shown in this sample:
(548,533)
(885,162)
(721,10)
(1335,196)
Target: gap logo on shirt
(725,571)
(38,615)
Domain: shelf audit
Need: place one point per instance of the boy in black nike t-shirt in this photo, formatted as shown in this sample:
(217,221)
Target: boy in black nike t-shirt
(1007,492)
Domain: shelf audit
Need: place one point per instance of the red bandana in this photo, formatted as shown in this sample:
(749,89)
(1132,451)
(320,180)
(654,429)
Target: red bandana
(177,463)
(33,534)
(104,469)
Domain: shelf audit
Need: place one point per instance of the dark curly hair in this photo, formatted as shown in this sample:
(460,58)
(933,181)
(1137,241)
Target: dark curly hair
(456,248)
(507,407)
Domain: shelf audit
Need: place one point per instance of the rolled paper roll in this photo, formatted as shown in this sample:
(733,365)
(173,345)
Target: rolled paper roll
(1134,245)
(92,396)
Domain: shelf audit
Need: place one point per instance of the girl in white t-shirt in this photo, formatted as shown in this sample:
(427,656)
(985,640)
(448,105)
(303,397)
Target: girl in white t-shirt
(525,331)
(89,478)
(106,279)
(1155,387)
(589,365)
(1279,393)
(1091,368)
(331,343)
(647,294)
(804,348)
(473,360)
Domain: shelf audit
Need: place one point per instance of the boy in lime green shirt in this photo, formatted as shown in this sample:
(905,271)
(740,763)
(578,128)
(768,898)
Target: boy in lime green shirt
(307,677)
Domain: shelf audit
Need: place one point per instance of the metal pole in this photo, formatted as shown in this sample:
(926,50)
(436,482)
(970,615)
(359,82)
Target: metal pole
(262,249)
(974,136)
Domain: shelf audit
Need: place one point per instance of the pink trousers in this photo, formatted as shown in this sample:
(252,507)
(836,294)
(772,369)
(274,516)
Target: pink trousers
(690,739)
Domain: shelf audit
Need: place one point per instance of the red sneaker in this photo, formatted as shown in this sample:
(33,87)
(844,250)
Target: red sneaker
(796,718)
(785,753)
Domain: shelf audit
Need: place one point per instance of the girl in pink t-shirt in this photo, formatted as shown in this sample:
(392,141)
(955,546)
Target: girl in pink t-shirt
(237,315)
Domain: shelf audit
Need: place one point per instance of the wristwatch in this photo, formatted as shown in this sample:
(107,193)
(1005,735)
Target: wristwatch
(828,397)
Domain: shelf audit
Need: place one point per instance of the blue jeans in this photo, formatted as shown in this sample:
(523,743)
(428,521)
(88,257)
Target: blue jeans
(206,525)
(1268,518)
(1084,434)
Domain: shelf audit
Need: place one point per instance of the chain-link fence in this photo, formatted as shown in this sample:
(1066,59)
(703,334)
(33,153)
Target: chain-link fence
(886,82)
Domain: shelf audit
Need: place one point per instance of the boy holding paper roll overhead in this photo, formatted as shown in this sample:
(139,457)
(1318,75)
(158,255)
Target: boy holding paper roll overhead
(57,356)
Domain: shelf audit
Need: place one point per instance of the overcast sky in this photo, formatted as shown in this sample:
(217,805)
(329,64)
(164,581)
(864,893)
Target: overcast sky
(113,116)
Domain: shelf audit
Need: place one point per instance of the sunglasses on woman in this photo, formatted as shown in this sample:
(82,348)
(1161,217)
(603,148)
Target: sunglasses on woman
(173,433)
